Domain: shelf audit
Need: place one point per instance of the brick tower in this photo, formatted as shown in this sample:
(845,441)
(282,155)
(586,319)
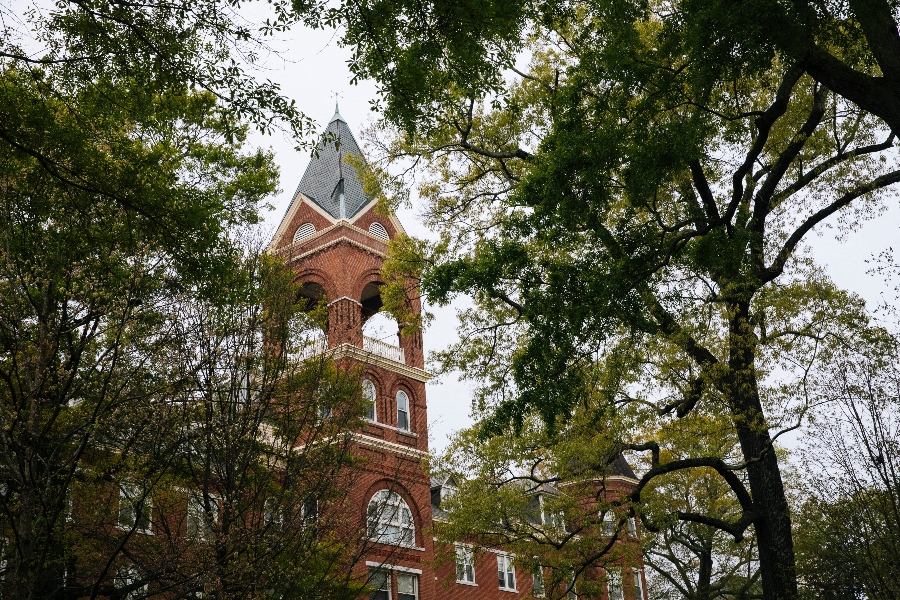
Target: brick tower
(336,243)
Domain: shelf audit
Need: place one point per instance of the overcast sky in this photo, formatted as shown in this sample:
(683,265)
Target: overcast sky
(313,68)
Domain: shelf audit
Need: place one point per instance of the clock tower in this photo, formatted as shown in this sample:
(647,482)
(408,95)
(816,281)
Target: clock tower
(336,243)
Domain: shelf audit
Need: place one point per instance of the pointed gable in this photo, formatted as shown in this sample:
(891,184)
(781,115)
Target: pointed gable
(327,175)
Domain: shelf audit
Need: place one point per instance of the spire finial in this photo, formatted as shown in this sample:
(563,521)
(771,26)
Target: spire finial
(337,114)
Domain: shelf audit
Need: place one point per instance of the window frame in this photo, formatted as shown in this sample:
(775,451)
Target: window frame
(555,522)
(465,557)
(614,581)
(537,575)
(127,575)
(373,229)
(372,402)
(407,412)
(415,585)
(506,560)
(639,593)
(129,494)
(373,571)
(386,501)
(196,512)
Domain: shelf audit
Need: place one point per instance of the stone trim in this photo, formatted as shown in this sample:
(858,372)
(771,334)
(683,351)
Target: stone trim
(387,567)
(372,442)
(350,351)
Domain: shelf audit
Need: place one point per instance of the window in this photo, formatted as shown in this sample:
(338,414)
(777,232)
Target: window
(549,518)
(310,510)
(128,579)
(380,582)
(134,509)
(199,522)
(506,572)
(368,389)
(407,586)
(638,586)
(389,519)
(378,230)
(632,527)
(572,593)
(465,564)
(614,583)
(323,406)
(539,589)
(608,523)
(274,513)
(306,230)
(402,411)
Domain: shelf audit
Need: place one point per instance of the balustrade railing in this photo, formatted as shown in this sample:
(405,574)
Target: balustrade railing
(384,349)
(320,346)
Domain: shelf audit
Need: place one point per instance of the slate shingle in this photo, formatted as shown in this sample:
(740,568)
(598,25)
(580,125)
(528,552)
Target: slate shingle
(321,180)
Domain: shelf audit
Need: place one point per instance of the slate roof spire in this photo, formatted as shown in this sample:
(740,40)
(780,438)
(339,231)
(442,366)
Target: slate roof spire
(328,181)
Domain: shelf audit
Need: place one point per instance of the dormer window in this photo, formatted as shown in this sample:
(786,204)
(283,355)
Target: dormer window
(307,230)
(378,230)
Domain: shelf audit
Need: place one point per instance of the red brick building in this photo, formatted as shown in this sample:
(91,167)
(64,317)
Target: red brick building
(336,242)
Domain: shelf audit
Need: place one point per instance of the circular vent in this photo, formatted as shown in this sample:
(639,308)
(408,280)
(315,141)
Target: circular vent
(378,230)
(304,231)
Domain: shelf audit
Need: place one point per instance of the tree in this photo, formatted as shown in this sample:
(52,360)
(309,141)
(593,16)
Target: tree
(552,501)
(848,523)
(87,282)
(625,191)
(688,559)
(134,374)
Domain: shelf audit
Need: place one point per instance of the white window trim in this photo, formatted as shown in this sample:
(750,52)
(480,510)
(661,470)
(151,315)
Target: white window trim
(408,412)
(400,503)
(537,574)
(382,234)
(388,567)
(548,523)
(468,552)
(415,585)
(614,575)
(373,400)
(639,585)
(508,563)
(127,492)
(204,530)
(379,567)
(303,232)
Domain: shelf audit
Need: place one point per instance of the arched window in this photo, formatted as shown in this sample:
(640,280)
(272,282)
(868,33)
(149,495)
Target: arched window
(389,519)
(402,411)
(304,231)
(368,389)
(378,230)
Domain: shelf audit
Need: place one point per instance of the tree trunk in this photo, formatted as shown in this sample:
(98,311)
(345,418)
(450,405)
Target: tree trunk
(773,522)
(704,577)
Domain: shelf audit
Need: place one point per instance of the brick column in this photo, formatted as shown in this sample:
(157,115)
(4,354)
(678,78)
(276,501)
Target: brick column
(344,323)
(412,348)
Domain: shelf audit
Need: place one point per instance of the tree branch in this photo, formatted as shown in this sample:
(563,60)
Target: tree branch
(763,127)
(790,245)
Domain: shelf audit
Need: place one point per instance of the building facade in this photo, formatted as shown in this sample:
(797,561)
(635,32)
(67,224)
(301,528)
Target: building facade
(336,242)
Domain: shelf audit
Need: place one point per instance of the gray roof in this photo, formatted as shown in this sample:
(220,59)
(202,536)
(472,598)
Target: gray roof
(321,181)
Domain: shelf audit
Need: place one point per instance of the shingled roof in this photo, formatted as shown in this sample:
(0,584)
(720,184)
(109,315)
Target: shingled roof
(322,181)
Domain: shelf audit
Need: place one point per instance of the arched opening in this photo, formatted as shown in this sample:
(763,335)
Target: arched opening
(370,300)
(311,293)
